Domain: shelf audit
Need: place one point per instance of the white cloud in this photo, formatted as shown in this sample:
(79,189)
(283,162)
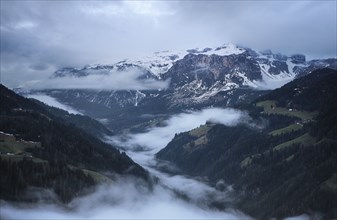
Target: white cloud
(299,217)
(151,8)
(25,25)
(53,102)
(271,84)
(107,10)
(19,26)
(114,80)
(128,8)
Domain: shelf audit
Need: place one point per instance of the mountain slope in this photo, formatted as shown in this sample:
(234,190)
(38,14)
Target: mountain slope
(86,123)
(285,164)
(41,150)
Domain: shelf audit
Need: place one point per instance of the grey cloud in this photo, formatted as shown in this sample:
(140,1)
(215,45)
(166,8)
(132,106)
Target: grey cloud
(39,66)
(285,26)
(75,33)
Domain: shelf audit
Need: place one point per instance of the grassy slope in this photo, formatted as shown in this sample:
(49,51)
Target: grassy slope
(304,140)
(270,107)
(287,129)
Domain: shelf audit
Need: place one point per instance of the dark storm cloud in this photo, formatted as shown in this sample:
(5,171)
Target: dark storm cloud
(38,37)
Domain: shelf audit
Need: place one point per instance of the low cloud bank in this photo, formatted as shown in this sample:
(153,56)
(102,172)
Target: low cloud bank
(124,199)
(158,137)
(270,84)
(114,80)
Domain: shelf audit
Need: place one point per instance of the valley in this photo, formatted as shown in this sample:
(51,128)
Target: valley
(182,110)
(219,146)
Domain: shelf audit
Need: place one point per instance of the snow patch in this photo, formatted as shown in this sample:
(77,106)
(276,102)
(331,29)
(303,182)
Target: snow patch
(271,81)
(159,62)
(225,50)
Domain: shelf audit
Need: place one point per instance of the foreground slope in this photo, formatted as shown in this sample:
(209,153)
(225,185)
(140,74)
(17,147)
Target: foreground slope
(283,161)
(39,149)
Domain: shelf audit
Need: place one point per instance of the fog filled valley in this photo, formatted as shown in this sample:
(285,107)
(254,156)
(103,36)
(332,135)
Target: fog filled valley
(174,196)
(168,110)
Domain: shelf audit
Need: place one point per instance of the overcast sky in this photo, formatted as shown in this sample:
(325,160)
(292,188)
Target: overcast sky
(38,37)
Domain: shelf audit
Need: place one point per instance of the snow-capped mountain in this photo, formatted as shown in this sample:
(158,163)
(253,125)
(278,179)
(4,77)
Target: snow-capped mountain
(160,62)
(220,76)
(157,63)
(233,66)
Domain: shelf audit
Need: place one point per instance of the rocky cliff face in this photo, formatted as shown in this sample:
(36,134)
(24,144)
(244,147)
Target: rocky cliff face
(211,69)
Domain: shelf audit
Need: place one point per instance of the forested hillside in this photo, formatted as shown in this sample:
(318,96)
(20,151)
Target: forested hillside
(86,123)
(39,149)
